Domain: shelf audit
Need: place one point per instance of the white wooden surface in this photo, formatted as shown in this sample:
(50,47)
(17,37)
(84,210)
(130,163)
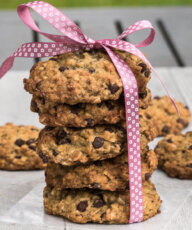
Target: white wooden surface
(14,104)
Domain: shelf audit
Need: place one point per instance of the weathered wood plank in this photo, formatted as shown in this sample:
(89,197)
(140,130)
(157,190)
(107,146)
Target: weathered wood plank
(13,34)
(100,23)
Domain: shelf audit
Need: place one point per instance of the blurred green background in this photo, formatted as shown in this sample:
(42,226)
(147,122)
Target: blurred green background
(8,4)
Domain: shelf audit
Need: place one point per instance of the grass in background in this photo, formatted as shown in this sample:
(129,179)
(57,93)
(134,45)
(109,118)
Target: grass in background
(8,4)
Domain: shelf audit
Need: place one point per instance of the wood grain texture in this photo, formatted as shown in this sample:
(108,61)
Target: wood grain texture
(99,23)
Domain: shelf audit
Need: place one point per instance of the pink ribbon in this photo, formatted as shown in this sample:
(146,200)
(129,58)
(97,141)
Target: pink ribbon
(74,40)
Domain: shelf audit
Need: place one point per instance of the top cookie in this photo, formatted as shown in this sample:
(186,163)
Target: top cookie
(174,153)
(83,77)
(18,148)
(162,113)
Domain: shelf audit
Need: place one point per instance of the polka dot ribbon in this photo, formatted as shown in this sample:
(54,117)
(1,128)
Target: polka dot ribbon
(73,39)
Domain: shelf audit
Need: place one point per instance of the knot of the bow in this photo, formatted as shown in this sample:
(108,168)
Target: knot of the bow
(90,44)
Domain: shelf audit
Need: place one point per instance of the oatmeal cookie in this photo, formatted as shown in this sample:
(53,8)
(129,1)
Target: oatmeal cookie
(82,206)
(174,153)
(111,174)
(83,115)
(83,77)
(70,146)
(18,148)
(162,113)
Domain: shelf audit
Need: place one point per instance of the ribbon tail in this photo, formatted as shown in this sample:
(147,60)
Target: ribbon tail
(166,90)
(6,66)
(133,135)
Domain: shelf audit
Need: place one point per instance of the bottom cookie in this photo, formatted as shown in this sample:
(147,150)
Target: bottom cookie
(174,154)
(82,206)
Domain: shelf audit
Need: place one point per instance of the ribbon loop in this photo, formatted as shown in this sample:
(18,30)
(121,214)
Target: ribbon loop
(137,26)
(72,33)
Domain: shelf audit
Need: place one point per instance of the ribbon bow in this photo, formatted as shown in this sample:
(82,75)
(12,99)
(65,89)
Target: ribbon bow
(73,40)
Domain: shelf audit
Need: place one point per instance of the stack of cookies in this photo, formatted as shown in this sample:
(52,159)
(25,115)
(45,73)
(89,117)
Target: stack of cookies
(79,99)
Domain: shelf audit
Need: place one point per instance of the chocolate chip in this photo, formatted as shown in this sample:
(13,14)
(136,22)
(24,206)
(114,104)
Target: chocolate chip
(157,98)
(63,68)
(98,142)
(189,165)
(90,122)
(82,206)
(91,70)
(99,104)
(113,88)
(143,95)
(96,185)
(183,151)
(74,110)
(42,100)
(143,67)
(109,129)
(147,176)
(190,147)
(39,84)
(181,121)
(64,141)
(62,134)
(62,138)
(18,157)
(187,107)
(43,157)
(32,147)
(147,72)
(109,105)
(98,203)
(30,141)
(19,142)
(169,140)
(148,116)
(55,153)
(166,129)
(97,163)
(34,106)
(102,215)
(48,128)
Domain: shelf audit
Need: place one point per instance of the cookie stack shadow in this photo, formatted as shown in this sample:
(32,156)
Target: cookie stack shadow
(79,99)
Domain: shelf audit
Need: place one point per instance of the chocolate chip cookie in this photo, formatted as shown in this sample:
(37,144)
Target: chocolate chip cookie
(112,175)
(174,153)
(18,148)
(70,146)
(83,115)
(82,206)
(162,113)
(83,77)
